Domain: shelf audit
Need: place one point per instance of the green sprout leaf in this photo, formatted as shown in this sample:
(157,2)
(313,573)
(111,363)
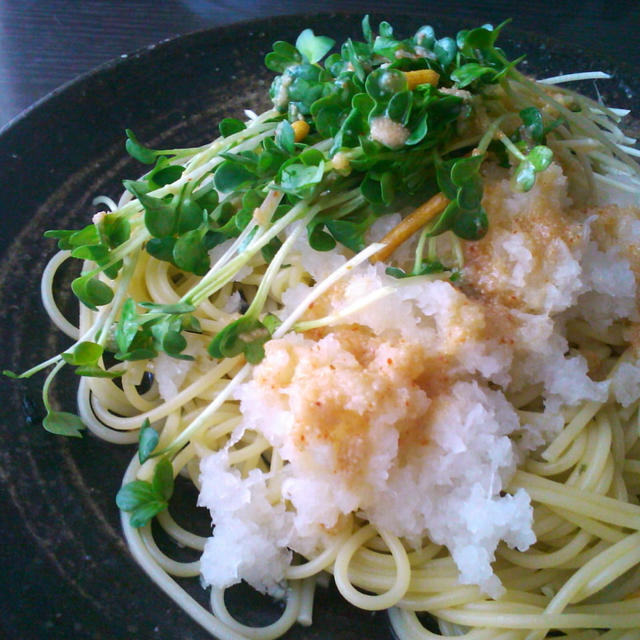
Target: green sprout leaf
(471,225)
(138,151)
(85,357)
(285,137)
(540,157)
(426,268)
(232,176)
(143,500)
(159,217)
(127,326)
(229,126)
(91,292)
(84,353)
(147,442)
(162,483)
(382,84)
(470,72)
(283,56)
(63,423)
(245,335)
(313,47)
(533,125)
(445,50)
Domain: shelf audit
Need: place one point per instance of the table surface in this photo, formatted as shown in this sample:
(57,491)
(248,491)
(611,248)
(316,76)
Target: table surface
(46,43)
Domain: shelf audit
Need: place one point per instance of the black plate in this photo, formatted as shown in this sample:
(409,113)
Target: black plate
(66,572)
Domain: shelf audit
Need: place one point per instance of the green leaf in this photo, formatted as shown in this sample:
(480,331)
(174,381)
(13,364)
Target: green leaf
(231,176)
(296,178)
(388,182)
(471,225)
(443,175)
(271,323)
(97,253)
(371,189)
(116,229)
(159,217)
(88,235)
(282,56)
(141,516)
(62,236)
(533,124)
(313,47)
(134,494)
(540,157)
(84,353)
(385,29)
(524,176)
(164,173)
(399,107)
(285,137)
(91,292)
(350,233)
(445,50)
(127,326)
(206,197)
(63,423)
(319,239)
(366,29)
(189,253)
(147,441)
(382,84)
(470,72)
(386,47)
(254,351)
(425,37)
(270,249)
(190,324)
(245,335)
(418,132)
(137,354)
(446,219)
(470,195)
(161,248)
(229,126)
(162,483)
(427,267)
(465,169)
(173,343)
(138,151)
(143,500)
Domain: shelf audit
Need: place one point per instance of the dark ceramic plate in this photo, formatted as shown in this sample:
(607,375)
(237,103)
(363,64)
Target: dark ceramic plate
(65,570)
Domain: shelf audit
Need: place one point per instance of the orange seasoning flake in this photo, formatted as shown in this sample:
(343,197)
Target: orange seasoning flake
(347,386)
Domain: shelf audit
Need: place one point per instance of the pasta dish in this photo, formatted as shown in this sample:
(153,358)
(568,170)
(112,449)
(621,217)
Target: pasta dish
(389,329)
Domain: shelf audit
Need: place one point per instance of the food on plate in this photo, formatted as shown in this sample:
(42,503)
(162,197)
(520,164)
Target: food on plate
(389,329)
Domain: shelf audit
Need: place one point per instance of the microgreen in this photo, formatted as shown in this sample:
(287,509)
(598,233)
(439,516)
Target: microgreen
(143,336)
(459,179)
(426,268)
(313,48)
(86,356)
(147,441)
(63,423)
(91,292)
(143,500)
